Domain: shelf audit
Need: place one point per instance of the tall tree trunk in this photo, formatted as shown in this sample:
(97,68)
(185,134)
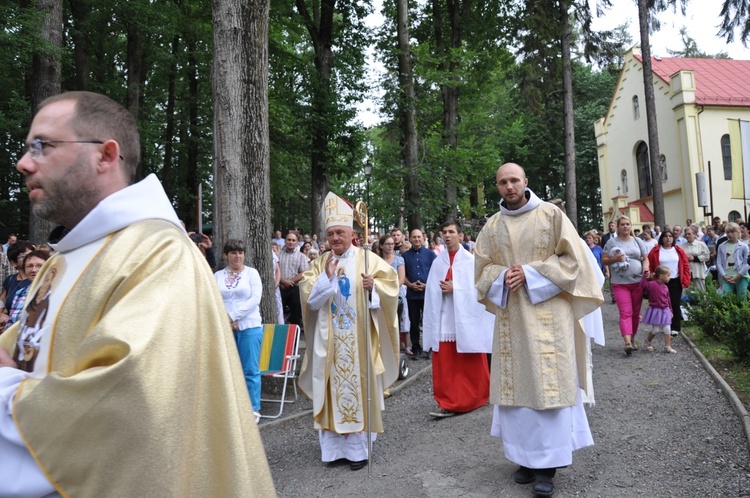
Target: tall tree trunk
(166,170)
(134,64)
(408,114)
(571,204)
(193,131)
(79,9)
(320,29)
(45,82)
(458,13)
(242,184)
(653,132)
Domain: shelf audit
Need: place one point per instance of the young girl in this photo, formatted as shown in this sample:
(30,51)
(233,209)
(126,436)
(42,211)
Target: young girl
(659,312)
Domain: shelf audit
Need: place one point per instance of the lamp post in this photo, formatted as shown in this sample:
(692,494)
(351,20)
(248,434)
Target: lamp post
(368,174)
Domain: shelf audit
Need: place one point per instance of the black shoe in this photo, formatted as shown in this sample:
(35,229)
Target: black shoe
(426,355)
(523,475)
(543,486)
(440,413)
(358,465)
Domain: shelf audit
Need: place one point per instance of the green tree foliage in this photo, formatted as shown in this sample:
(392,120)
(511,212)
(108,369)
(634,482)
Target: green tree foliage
(18,39)
(156,58)
(103,44)
(510,110)
(735,15)
(317,65)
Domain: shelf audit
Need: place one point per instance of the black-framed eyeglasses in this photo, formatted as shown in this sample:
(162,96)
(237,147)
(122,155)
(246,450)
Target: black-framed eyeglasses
(36,146)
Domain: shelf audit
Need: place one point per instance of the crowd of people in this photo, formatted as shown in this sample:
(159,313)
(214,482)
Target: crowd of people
(99,323)
(635,260)
(484,313)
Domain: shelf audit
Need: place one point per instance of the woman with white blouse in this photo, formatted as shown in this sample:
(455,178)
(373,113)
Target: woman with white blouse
(698,254)
(241,290)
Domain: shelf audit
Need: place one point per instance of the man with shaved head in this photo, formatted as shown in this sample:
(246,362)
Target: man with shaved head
(533,273)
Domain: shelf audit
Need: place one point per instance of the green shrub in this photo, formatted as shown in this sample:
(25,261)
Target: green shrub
(725,318)
(703,308)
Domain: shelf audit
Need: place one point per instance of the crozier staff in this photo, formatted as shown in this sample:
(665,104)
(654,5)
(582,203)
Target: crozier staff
(335,367)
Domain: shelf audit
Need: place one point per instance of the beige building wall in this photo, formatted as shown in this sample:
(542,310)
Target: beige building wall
(689,137)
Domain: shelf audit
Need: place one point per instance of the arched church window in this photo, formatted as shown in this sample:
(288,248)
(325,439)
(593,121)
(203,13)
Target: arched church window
(726,156)
(644,170)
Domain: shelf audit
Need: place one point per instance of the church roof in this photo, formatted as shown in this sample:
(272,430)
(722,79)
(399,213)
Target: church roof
(718,82)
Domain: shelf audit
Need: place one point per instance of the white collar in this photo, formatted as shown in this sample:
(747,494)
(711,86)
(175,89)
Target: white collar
(532,203)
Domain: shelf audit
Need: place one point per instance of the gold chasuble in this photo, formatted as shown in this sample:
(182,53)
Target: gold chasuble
(539,350)
(334,369)
(144,394)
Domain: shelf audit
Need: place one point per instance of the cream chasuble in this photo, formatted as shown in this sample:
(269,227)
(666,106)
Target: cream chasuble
(539,349)
(334,369)
(137,389)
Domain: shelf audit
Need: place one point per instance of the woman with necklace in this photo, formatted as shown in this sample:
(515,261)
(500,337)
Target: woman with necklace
(626,257)
(241,290)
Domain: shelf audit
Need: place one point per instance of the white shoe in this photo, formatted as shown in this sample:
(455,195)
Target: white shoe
(257,417)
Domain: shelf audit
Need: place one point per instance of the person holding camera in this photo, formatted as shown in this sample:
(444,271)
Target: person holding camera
(205,245)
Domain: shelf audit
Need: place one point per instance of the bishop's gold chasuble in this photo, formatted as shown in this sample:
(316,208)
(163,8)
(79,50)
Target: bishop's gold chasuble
(334,370)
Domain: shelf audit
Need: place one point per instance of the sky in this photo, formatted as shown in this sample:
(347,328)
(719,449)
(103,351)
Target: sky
(701,19)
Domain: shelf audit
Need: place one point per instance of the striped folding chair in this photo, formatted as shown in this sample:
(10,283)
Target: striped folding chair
(278,359)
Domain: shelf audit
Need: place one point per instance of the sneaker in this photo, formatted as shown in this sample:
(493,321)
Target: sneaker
(442,413)
(257,417)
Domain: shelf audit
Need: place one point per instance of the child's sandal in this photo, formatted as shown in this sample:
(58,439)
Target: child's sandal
(670,350)
(648,345)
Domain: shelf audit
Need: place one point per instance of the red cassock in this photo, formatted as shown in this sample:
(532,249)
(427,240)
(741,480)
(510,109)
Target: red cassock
(460,381)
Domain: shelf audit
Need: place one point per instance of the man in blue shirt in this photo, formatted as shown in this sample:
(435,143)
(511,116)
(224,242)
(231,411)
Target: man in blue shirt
(417,262)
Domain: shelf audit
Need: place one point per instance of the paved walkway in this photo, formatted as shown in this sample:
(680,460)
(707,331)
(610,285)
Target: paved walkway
(662,427)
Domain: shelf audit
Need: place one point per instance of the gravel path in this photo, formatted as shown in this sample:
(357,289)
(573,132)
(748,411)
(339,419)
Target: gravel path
(661,428)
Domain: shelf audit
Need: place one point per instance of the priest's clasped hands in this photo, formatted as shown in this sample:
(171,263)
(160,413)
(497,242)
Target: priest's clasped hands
(446,286)
(515,277)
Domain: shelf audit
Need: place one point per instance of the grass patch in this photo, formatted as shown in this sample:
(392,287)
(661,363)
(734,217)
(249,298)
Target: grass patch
(735,373)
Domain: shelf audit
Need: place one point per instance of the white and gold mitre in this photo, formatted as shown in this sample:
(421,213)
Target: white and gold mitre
(337,211)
